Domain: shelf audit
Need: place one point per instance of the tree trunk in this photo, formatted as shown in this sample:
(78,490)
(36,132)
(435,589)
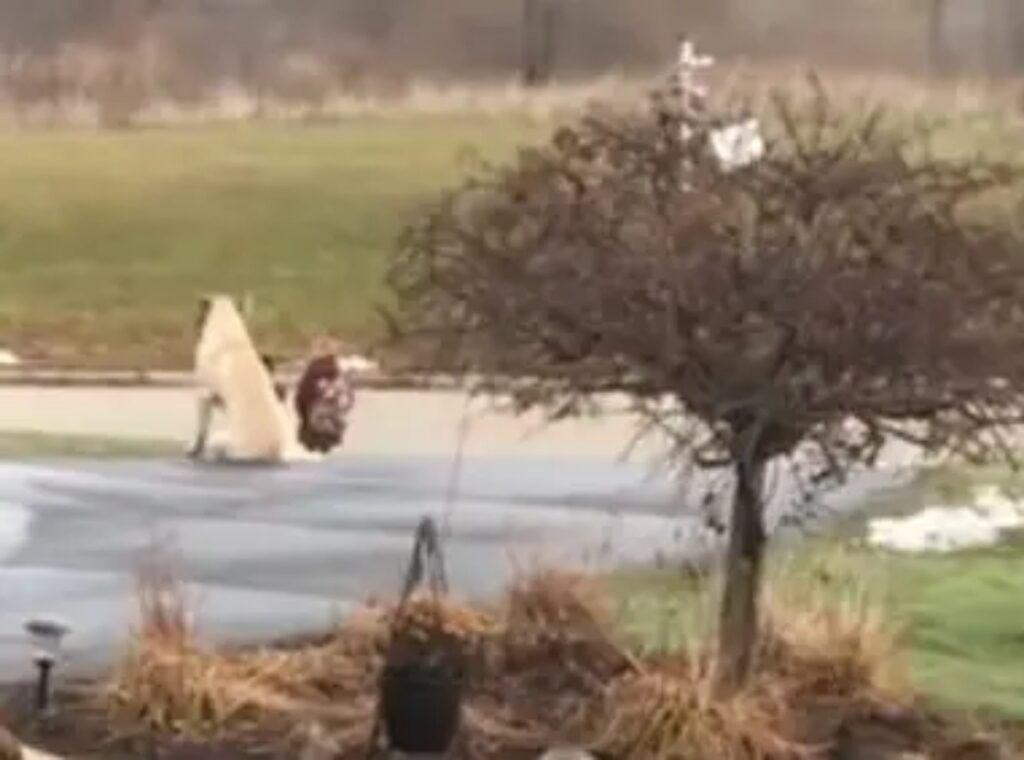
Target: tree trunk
(530,63)
(538,41)
(738,614)
(1013,18)
(938,53)
(548,42)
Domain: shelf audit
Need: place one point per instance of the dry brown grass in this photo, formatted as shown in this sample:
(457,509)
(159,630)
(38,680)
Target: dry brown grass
(551,669)
(902,92)
(509,99)
(417,100)
(843,651)
(197,694)
(819,647)
(827,634)
(558,601)
(169,683)
(422,616)
(660,716)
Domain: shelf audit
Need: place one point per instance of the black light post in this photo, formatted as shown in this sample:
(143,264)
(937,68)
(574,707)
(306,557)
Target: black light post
(47,636)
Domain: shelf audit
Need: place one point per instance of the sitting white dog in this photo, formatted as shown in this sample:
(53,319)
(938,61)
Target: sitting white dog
(233,378)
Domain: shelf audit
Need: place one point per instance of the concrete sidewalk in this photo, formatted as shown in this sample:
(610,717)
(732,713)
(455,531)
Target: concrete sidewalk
(384,422)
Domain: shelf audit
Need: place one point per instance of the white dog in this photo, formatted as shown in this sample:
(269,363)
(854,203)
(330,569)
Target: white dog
(264,422)
(233,378)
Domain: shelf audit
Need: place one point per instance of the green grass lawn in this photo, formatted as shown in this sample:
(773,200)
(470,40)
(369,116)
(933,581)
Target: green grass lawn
(106,239)
(961,615)
(30,445)
(965,625)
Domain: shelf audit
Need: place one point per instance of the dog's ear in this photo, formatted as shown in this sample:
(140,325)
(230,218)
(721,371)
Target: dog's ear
(203,311)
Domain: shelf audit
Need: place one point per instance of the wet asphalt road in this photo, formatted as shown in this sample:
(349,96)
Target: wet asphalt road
(280,550)
(269,552)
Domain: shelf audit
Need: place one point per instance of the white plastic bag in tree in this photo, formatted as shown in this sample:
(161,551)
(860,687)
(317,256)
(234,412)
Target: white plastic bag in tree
(738,145)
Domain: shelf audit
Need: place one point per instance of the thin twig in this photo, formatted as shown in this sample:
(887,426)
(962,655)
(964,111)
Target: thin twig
(455,475)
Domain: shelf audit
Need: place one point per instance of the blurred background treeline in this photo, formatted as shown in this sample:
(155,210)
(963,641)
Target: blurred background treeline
(122,54)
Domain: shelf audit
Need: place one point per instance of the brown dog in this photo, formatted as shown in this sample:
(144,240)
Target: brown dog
(324,396)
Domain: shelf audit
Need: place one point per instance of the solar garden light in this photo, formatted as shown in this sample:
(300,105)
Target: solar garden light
(46,635)
(566,753)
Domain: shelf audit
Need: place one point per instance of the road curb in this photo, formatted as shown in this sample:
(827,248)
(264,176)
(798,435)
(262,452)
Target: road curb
(141,378)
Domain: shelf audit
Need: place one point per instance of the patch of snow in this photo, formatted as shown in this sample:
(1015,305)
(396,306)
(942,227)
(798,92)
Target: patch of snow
(8,358)
(945,529)
(1002,512)
(357,364)
(15,520)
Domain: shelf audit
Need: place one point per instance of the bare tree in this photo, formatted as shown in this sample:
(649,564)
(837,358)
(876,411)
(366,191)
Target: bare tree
(827,298)
(539,24)
(938,50)
(1013,21)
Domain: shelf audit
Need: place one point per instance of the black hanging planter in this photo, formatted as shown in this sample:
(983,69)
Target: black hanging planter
(421,705)
(420,691)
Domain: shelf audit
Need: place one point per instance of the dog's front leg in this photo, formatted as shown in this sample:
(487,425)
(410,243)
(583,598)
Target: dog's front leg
(207,403)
